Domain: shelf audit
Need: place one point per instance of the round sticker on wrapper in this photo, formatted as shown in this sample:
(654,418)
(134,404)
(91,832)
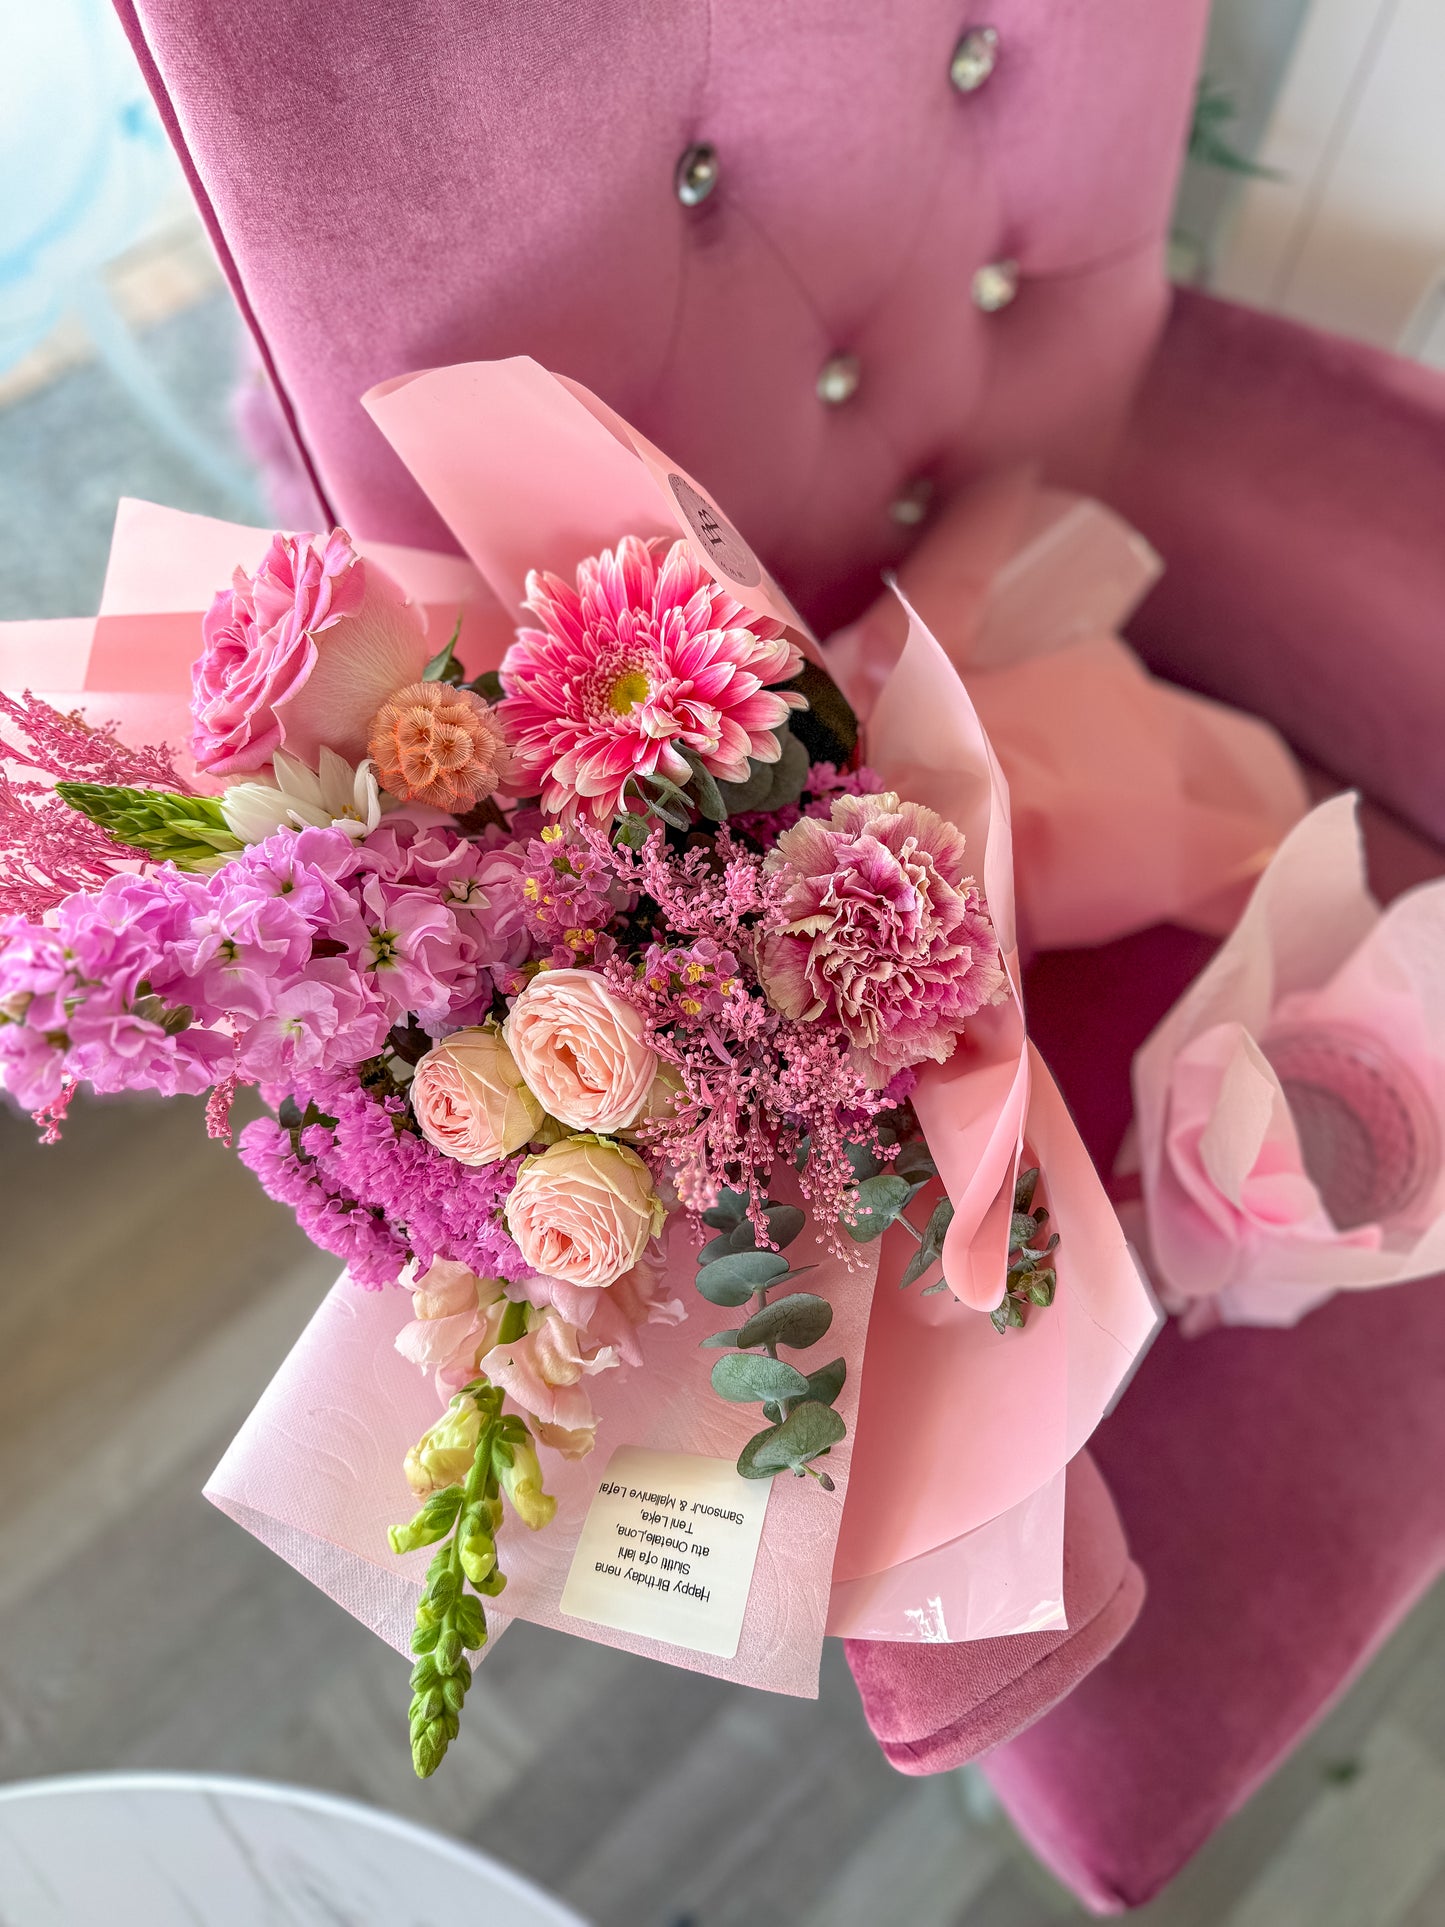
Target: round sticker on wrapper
(721,543)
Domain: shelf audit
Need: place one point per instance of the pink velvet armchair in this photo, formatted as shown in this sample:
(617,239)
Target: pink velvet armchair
(840,259)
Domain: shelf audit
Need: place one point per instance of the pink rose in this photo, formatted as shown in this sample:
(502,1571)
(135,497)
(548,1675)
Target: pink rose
(582,1050)
(300,655)
(469,1099)
(584,1211)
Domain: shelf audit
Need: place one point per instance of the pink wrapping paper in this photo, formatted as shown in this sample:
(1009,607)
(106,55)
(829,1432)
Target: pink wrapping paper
(131,664)
(1289,1108)
(315,1472)
(953,1524)
(1133,802)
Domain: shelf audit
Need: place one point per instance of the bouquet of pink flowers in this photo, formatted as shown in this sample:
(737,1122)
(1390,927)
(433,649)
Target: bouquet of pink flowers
(579,955)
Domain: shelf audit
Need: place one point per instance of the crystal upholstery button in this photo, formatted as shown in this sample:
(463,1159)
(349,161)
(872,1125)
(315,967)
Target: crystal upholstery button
(911,504)
(838,380)
(697,174)
(974,59)
(995,285)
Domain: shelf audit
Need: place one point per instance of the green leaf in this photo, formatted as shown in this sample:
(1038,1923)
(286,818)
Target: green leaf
(733,1280)
(744,1376)
(1028,1182)
(785,1222)
(864,1164)
(755,1269)
(922,1260)
(797,1321)
(488,686)
(808,1431)
(1041,1287)
(719,1341)
(880,1200)
(827,727)
(444,666)
(709,798)
(633,831)
(914,1161)
(942,1285)
(727,1211)
(825,1384)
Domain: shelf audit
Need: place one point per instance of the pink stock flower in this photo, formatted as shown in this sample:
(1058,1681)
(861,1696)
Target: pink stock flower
(582,1049)
(300,654)
(877,927)
(646,657)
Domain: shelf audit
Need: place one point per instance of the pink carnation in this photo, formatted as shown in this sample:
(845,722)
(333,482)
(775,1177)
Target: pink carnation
(646,657)
(301,654)
(876,926)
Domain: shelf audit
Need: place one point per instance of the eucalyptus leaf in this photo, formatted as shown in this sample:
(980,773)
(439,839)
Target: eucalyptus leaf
(727,1211)
(915,1161)
(739,798)
(864,1164)
(879,1201)
(724,1292)
(797,1321)
(1041,1288)
(825,1384)
(744,1376)
(732,1280)
(808,1431)
(922,1260)
(718,1341)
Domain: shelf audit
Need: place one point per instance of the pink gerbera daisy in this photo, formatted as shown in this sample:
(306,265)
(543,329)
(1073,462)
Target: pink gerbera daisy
(647,657)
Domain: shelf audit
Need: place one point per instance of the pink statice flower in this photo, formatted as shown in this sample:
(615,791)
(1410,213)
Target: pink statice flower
(368,1188)
(300,654)
(647,656)
(875,926)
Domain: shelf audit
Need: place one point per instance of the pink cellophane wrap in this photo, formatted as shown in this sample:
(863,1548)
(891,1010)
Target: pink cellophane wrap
(960,1425)
(953,1522)
(315,1471)
(1133,802)
(1319,993)
(131,664)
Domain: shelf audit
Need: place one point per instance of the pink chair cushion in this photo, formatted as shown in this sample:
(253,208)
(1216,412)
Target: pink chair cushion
(1295,485)
(398,187)
(933,1707)
(1280,1489)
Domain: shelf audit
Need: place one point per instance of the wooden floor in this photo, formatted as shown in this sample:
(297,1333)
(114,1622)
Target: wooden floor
(150,1290)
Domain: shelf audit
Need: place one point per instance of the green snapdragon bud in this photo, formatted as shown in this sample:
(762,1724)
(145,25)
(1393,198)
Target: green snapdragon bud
(189,831)
(519,1473)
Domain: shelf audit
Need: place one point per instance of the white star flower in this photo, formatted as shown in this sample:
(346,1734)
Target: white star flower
(340,797)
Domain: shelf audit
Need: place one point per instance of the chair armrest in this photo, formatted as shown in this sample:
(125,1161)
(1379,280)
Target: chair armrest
(1294,483)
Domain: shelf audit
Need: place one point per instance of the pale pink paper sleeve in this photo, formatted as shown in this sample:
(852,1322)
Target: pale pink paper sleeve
(1234,1225)
(131,664)
(1134,802)
(316,1472)
(958,1423)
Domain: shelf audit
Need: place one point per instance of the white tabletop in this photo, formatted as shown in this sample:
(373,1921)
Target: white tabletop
(185,1850)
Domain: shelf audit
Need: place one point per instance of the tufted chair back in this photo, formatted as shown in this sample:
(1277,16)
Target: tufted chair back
(830,255)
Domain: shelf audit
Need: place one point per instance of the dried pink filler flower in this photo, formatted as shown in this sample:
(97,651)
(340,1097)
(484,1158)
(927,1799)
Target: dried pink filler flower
(876,925)
(646,657)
